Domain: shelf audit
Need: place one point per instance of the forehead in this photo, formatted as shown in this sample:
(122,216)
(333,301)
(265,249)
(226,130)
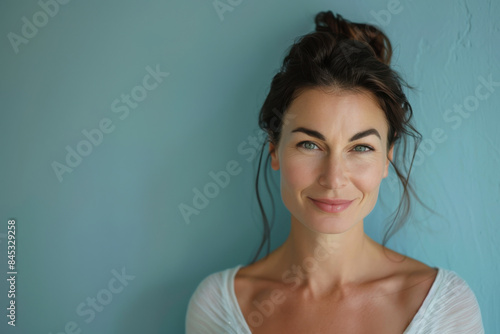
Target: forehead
(332,112)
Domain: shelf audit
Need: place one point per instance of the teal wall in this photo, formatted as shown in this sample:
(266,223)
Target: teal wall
(109,227)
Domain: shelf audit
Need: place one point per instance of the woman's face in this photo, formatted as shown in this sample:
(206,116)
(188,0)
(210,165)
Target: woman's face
(332,155)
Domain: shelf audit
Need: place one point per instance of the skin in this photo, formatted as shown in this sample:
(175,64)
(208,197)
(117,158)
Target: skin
(330,275)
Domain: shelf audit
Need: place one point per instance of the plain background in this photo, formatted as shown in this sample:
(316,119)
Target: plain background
(119,208)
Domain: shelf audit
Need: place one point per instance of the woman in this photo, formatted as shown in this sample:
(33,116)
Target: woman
(334,115)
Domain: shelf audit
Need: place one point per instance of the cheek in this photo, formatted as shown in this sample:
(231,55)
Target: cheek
(297,172)
(366,175)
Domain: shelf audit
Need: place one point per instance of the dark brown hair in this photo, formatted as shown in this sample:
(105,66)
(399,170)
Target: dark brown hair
(351,57)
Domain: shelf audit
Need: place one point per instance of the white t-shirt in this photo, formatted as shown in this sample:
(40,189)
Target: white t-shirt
(449,307)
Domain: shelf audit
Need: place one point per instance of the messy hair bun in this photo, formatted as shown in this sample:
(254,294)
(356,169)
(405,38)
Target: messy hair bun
(365,33)
(349,57)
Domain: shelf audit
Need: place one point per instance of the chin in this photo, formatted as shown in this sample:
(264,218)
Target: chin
(326,224)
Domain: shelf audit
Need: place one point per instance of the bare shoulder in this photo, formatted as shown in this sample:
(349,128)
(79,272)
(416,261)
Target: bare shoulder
(412,278)
(408,267)
(243,284)
(416,271)
(253,277)
(253,282)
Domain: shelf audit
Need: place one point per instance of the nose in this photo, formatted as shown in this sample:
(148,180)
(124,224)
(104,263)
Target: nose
(334,172)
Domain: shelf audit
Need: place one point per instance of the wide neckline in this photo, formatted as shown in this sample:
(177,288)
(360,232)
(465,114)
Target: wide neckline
(412,323)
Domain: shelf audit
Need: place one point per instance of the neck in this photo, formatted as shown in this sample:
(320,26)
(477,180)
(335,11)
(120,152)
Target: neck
(322,262)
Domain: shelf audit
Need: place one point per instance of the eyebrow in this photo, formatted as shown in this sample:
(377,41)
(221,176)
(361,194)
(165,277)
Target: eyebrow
(359,135)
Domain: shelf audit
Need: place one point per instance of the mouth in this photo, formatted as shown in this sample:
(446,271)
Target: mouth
(331,206)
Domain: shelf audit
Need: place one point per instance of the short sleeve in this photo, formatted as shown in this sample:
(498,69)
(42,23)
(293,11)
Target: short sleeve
(203,309)
(456,310)
(210,310)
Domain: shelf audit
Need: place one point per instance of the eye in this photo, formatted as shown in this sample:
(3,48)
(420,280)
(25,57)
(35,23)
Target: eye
(307,145)
(362,148)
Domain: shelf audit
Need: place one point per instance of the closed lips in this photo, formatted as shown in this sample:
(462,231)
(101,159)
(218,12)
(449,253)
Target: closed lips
(332,202)
(331,205)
